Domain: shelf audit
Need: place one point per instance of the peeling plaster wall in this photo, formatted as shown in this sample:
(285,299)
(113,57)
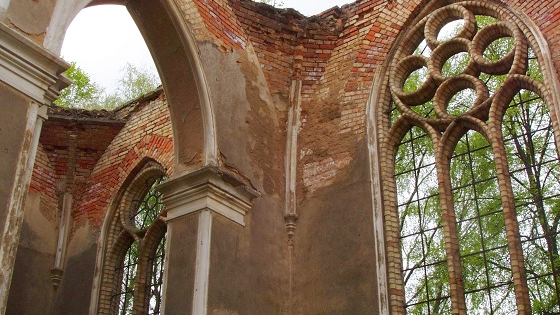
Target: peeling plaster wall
(106,151)
(31,291)
(12,123)
(251,139)
(74,294)
(30,17)
(251,56)
(334,259)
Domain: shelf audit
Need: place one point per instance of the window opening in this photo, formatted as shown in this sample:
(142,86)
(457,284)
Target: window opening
(134,283)
(156,282)
(535,172)
(483,245)
(476,169)
(149,207)
(422,241)
(125,296)
(450,30)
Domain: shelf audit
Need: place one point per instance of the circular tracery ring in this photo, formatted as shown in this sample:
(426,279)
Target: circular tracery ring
(445,51)
(512,62)
(441,87)
(454,85)
(447,14)
(401,73)
(134,196)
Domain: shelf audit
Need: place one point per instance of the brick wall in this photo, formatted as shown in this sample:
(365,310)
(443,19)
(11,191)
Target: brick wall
(335,54)
(107,147)
(57,169)
(43,181)
(147,134)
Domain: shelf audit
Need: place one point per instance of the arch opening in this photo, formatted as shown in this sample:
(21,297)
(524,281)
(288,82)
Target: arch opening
(174,52)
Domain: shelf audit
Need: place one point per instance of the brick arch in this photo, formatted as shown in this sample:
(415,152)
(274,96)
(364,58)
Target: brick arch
(109,175)
(379,131)
(117,236)
(164,28)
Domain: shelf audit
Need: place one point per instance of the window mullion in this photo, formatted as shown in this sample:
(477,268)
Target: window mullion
(451,233)
(512,225)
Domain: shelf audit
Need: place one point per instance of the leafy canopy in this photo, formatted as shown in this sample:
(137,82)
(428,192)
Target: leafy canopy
(83,93)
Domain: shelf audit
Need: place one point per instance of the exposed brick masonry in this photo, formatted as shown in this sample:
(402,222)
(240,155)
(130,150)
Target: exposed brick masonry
(93,134)
(147,135)
(107,151)
(336,54)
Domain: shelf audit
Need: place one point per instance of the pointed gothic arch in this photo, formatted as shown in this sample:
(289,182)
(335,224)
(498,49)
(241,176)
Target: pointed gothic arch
(132,249)
(428,105)
(175,53)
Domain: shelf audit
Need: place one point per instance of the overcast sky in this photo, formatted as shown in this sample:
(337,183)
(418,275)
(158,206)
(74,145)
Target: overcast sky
(102,39)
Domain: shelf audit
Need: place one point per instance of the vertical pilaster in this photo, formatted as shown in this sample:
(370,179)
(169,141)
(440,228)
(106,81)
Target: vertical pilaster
(192,202)
(65,214)
(30,77)
(13,213)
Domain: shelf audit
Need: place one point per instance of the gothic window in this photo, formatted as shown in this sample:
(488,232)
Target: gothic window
(133,270)
(472,210)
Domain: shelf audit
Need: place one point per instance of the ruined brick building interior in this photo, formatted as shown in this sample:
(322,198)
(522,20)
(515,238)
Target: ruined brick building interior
(385,157)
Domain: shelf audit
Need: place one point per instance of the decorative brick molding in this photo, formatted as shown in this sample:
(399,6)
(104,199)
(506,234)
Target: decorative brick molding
(122,233)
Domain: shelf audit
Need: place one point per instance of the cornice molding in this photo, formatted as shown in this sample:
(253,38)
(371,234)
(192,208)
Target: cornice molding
(207,189)
(29,68)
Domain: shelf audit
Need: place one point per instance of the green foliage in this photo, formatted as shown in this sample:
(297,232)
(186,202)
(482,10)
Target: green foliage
(83,93)
(423,247)
(134,83)
(128,269)
(148,210)
(535,172)
(151,206)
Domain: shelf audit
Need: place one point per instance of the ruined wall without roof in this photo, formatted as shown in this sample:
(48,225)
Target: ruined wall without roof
(88,155)
(68,150)
(252,56)
(339,56)
(147,134)
(334,259)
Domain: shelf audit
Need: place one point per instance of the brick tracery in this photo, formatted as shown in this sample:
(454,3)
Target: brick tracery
(133,263)
(442,117)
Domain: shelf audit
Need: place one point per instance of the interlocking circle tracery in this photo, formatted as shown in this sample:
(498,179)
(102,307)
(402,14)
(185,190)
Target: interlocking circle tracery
(472,169)
(470,41)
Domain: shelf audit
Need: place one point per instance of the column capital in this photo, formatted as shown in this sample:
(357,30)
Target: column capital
(207,188)
(30,68)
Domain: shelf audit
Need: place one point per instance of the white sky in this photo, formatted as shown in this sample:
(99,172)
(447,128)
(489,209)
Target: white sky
(102,39)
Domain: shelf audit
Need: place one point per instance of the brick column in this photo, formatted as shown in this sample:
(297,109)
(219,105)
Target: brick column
(193,202)
(30,77)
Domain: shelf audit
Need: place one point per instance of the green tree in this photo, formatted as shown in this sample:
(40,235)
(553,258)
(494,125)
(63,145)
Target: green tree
(82,93)
(133,83)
